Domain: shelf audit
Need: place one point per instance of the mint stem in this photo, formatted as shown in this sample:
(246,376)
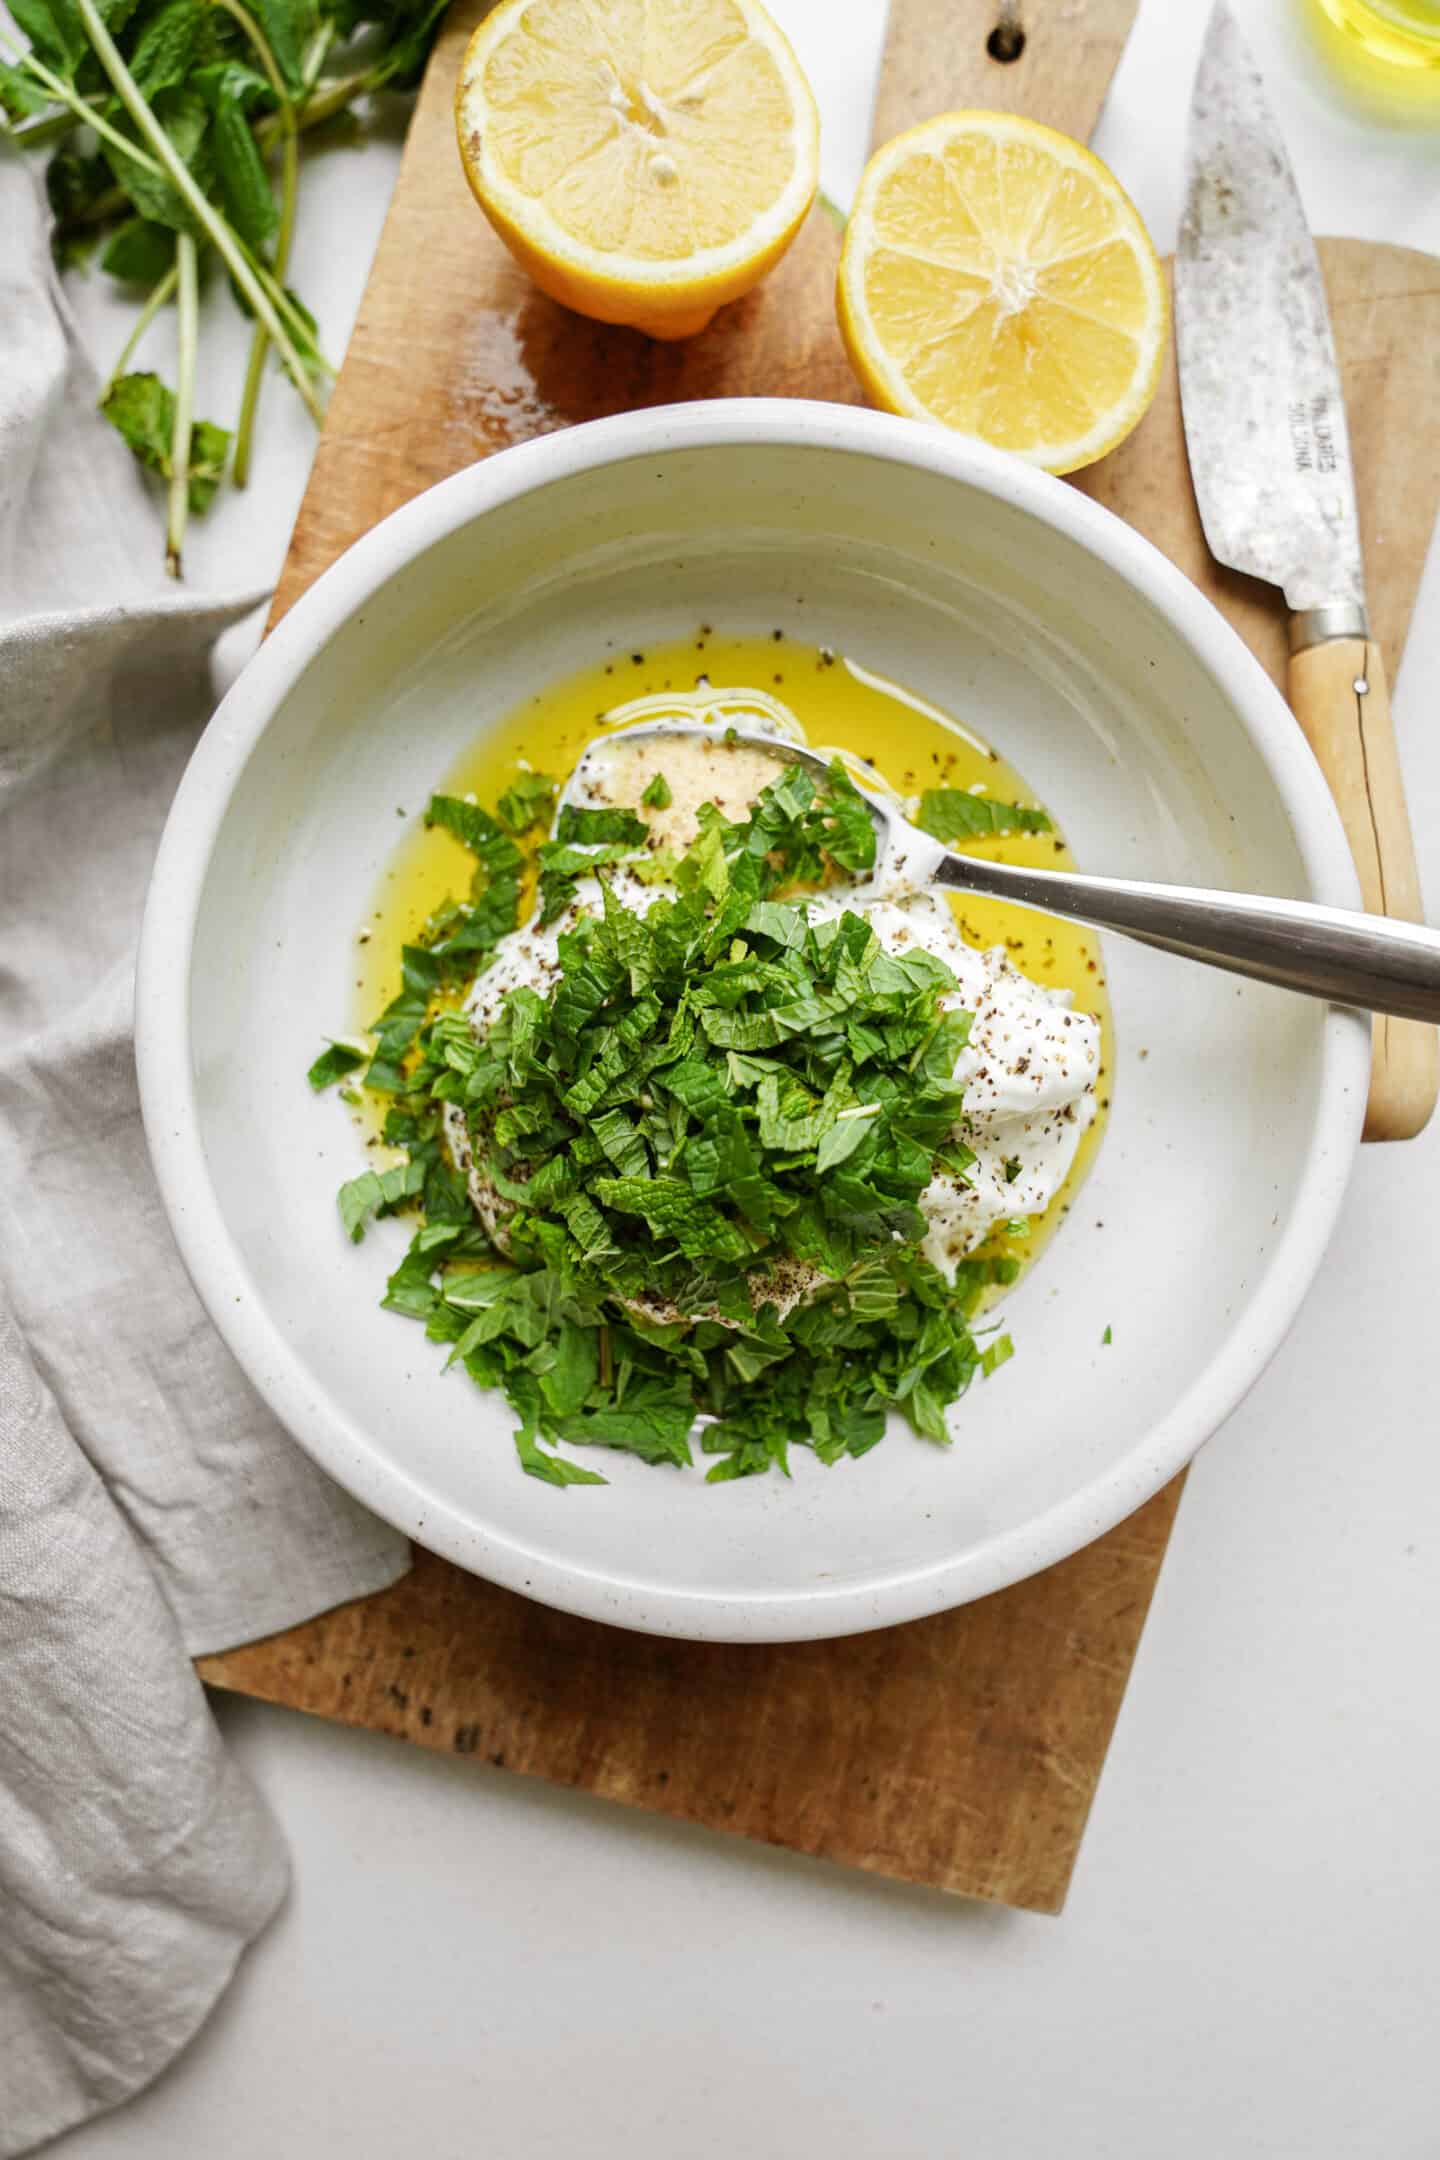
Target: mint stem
(158,298)
(314,59)
(286,309)
(332,98)
(289,182)
(255,368)
(188,320)
(226,242)
(80,107)
(51,128)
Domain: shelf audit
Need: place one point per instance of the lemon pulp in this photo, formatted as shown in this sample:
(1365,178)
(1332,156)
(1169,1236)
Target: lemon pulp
(997,279)
(645,163)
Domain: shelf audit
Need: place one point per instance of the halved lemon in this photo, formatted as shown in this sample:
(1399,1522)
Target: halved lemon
(997,278)
(646,160)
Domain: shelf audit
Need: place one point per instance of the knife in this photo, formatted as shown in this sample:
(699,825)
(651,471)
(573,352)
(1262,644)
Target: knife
(1264,419)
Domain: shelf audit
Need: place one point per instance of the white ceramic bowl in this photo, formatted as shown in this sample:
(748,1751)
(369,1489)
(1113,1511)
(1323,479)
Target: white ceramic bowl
(1006,597)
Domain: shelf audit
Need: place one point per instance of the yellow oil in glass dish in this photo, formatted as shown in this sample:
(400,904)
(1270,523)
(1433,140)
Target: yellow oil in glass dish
(1402,33)
(1386,53)
(840,705)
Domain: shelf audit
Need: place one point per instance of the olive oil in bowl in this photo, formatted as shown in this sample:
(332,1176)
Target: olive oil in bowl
(838,704)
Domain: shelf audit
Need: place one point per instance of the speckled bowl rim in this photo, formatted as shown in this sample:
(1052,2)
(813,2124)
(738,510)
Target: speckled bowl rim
(163,1026)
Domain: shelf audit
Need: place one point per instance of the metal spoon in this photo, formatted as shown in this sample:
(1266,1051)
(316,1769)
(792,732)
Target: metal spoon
(1370,961)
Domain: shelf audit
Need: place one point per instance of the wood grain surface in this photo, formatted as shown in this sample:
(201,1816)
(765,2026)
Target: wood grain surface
(1385,307)
(1385,311)
(961,1751)
(938,59)
(455,354)
(1339,694)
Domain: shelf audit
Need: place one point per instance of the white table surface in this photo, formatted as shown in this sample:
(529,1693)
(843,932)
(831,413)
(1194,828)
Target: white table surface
(471,1962)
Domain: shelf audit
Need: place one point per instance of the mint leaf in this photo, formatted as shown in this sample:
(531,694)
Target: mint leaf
(288,26)
(396,1030)
(185,116)
(527,802)
(552,1469)
(653,1422)
(55,30)
(74,186)
(138,253)
(333,1064)
(475,829)
(244,184)
(377,1192)
(561,869)
(142,410)
(849,830)
(162,59)
(20,95)
(950,814)
(590,828)
(672,1209)
(476,926)
(657,795)
(409,31)
(841,1141)
(411,1289)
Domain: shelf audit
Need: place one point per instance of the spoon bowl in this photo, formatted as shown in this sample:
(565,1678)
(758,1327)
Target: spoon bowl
(1369,961)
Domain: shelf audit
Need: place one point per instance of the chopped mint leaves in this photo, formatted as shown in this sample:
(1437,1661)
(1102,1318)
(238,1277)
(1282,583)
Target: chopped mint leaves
(707,1143)
(378,1192)
(527,802)
(462,933)
(996,1354)
(475,829)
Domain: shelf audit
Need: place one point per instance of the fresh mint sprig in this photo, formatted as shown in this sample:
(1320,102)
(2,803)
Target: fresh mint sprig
(161,120)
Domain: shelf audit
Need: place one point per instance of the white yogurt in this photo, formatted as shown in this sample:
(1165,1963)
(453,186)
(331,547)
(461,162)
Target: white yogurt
(1030,1068)
(1030,1071)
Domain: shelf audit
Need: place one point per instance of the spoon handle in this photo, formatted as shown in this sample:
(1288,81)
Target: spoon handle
(1371,961)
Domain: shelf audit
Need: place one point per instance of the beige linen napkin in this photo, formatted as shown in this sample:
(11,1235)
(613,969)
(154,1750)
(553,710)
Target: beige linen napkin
(150,1506)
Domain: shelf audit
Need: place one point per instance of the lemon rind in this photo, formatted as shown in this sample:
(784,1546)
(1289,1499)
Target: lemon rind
(689,275)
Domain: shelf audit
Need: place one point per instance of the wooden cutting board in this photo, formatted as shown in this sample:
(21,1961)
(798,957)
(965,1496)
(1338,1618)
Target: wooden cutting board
(962,1751)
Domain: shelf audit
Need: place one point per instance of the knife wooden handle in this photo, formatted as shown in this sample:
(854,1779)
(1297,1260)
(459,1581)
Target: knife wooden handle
(1339,695)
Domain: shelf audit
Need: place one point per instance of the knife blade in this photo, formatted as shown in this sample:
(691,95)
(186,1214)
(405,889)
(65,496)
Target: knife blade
(1260,383)
(1265,428)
